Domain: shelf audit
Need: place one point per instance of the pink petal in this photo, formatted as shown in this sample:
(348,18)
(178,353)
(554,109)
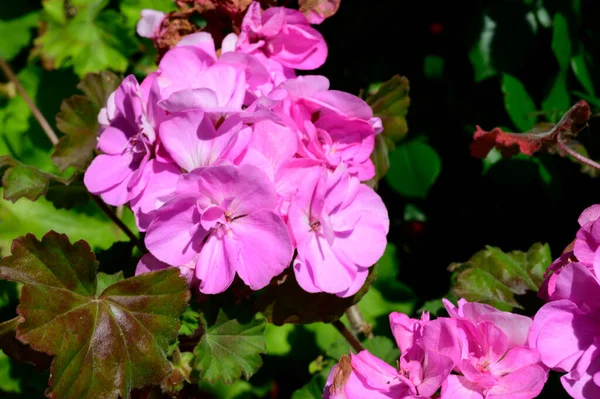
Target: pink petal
(560,324)
(149,24)
(590,214)
(201,40)
(436,368)
(458,387)
(577,284)
(112,141)
(377,373)
(107,171)
(345,103)
(248,187)
(525,383)
(442,336)
(260,247)
(516,327)
(514,359)
(149,263)
(175,236)
(162,182)
(190,99)
(580,383)
(403,329)
(213,268)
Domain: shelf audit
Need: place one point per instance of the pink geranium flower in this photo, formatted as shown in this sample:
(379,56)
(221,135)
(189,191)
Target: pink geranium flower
(333,127)
(496,361)
(283,35)
(127,139)
(339,226)
(224,216)
(419,373)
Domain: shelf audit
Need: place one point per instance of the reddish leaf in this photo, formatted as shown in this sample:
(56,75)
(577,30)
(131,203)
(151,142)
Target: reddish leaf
(106,344)
(527,143)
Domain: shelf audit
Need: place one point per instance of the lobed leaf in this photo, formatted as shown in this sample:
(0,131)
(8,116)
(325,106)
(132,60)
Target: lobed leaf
(390,102)
(230,346)
(105,344)
(19,32)
(495,277)
(26,181)
(78,120)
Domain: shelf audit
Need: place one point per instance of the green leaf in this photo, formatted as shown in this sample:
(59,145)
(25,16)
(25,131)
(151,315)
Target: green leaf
(561,43)
(384,348)
(190,320)
(7,382)
(89,40)
(231,346)
(277,339)
(40,216)
(314,388)
(414,167)
(495,277)
(380,158)
(433,67)
(518,103)
(481,54)
(132,9)
(21,180)
(283,301)
(107,344)
(78,120)
(19,32)
(582,73)
(106,280)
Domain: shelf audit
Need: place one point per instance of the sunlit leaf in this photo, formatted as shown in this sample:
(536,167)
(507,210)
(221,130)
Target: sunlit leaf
(582,73)
(17,34)
(480,55)
(495,277)
(107,344)
(230,346)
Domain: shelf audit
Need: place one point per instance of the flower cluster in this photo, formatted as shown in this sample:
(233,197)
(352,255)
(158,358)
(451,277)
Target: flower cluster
(232,165)
(478,352)
(566,330)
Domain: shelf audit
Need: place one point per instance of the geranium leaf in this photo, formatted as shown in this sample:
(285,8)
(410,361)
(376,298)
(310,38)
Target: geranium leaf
(318,10)
(107,344)
(231,345)
(414,167)
(78,120)
(495,277)
(87,38)
(527,143)
(26,181)
(283,301)
(19,30)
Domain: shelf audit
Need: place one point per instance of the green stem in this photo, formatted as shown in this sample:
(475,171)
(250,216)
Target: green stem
(347,334)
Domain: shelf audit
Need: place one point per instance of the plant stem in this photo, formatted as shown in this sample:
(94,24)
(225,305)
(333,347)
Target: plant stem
(357,322)
(584,160)
(119,223)
(36,112)
(352,340)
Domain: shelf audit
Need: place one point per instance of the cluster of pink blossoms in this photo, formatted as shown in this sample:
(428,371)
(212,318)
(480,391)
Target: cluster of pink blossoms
(478,352)
(233,165)
(566,330)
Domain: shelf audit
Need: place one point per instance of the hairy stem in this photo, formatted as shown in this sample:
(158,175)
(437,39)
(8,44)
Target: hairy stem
(352,340)
(36,112)
(584,160)
(105,208)
(358,323)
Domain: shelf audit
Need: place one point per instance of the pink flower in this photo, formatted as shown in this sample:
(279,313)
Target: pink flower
(420,371)
(332,126)
(566,331)
(282,35)
(224,216)
(339,226)
(127,139)
(587,241)
(149,263)
(495,360)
